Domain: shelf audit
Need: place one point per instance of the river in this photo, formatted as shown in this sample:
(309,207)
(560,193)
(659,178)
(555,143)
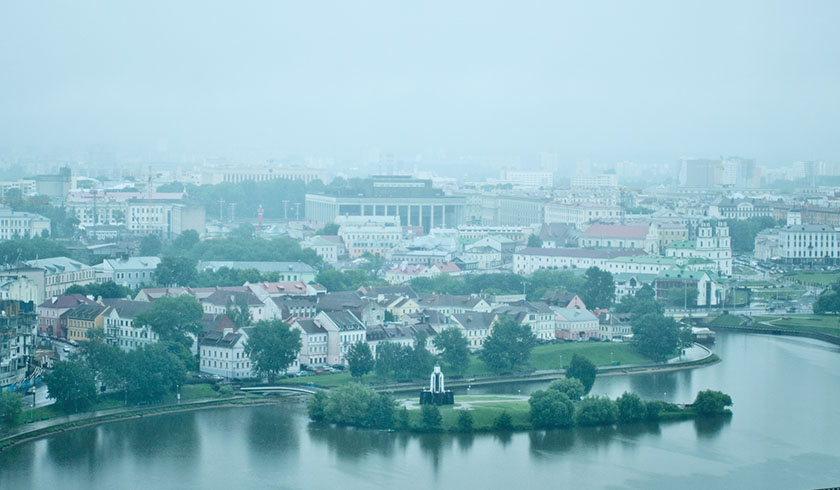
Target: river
(785,433)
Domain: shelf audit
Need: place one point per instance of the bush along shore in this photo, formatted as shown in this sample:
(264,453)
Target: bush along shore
(563,404)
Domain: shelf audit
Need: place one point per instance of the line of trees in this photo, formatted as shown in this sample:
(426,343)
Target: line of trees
(146,374)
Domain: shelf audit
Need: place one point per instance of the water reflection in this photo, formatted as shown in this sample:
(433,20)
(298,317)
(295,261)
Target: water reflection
(710,427)
(75,448)
(271,430)
(354,444)
(432,446)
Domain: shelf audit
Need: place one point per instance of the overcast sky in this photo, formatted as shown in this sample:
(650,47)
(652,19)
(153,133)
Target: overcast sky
(603,80)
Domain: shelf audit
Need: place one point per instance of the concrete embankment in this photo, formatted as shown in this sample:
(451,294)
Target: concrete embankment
(769,329)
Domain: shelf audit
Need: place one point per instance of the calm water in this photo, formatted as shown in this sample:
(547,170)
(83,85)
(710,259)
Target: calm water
(785,434)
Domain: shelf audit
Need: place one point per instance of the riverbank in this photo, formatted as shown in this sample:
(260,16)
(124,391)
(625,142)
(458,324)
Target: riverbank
(44,428)
(327,381)
(825,328)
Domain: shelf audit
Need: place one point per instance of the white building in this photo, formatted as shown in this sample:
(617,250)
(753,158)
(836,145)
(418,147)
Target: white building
(133,272)
(809,244)
(579,213)
(326,248)
(260,173)
(712,243)
(120,330)
(17,224)
(59,273)
(528,178)
(343,330)
(594,181)
(314,348)
(369,234)
(222,353)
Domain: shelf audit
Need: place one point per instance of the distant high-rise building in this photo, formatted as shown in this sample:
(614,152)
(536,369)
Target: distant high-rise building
(697,172)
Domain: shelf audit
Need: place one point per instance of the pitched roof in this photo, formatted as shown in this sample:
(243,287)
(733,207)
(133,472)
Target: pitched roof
(600,230)
(345,320)
(66,301)
(580,252)
(309,326)
(398,290)
(575,314)
(222,297)
(475,320)
(85,312)
(126,308)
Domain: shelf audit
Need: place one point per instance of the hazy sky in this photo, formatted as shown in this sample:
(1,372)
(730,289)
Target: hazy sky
(609,80)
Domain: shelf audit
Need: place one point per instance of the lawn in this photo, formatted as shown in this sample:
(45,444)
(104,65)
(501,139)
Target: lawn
(483,415)
(815,278)
(810,323)
(117,400)
(556,356)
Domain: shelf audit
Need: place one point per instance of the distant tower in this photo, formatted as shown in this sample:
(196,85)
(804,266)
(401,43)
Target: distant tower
(260,212)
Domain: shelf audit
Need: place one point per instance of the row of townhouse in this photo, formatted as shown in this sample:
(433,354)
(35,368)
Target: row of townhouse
(529,260)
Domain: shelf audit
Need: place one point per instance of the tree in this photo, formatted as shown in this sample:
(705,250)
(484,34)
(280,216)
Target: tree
(106,362)
(272,347)
(173,318)
(238,311)
(349,404)
(380,412)
(583,370)
(11,408)
(465,421)
(598,288)
(641,303)
(431,418)
(503,421)
(328,229)
(108,289)
(72,385)
(421,360)
(572,387)
(392,360)
(359,359)
(153,372)
(508,347)
(534,241)
(709,402)
(150,246)
(185,241)
(743,232)
(631,408)
(551,409)
(389,317)
(596,410)
(655,336)
(317,406)
(454,348)
(175,271)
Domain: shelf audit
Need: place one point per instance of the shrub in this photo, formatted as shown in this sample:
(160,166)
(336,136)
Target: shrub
(380,413)
(226,391)
(503,422)
(572,387)
(465,421)
(709,402)
(349,404)
(431,418)
(631,408)
(402,419)
(11,408)
(596,410)
(550,409)
(654,409)
(317,406)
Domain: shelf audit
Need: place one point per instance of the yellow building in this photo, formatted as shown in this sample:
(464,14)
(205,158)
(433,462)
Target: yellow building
(83,318)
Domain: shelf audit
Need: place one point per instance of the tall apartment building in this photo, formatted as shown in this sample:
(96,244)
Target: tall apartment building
(17,340)
(24,187)
(164,213)
(593,181)
(414,201)
(17,224)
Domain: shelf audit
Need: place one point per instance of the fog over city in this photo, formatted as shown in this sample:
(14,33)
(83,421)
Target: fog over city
(419,245)
(607,81)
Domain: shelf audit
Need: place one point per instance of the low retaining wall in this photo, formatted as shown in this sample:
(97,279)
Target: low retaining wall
(832,339)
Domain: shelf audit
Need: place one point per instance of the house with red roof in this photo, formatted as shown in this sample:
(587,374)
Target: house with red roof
(636,236)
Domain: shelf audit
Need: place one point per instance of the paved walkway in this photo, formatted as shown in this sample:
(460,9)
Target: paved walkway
(45,424)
